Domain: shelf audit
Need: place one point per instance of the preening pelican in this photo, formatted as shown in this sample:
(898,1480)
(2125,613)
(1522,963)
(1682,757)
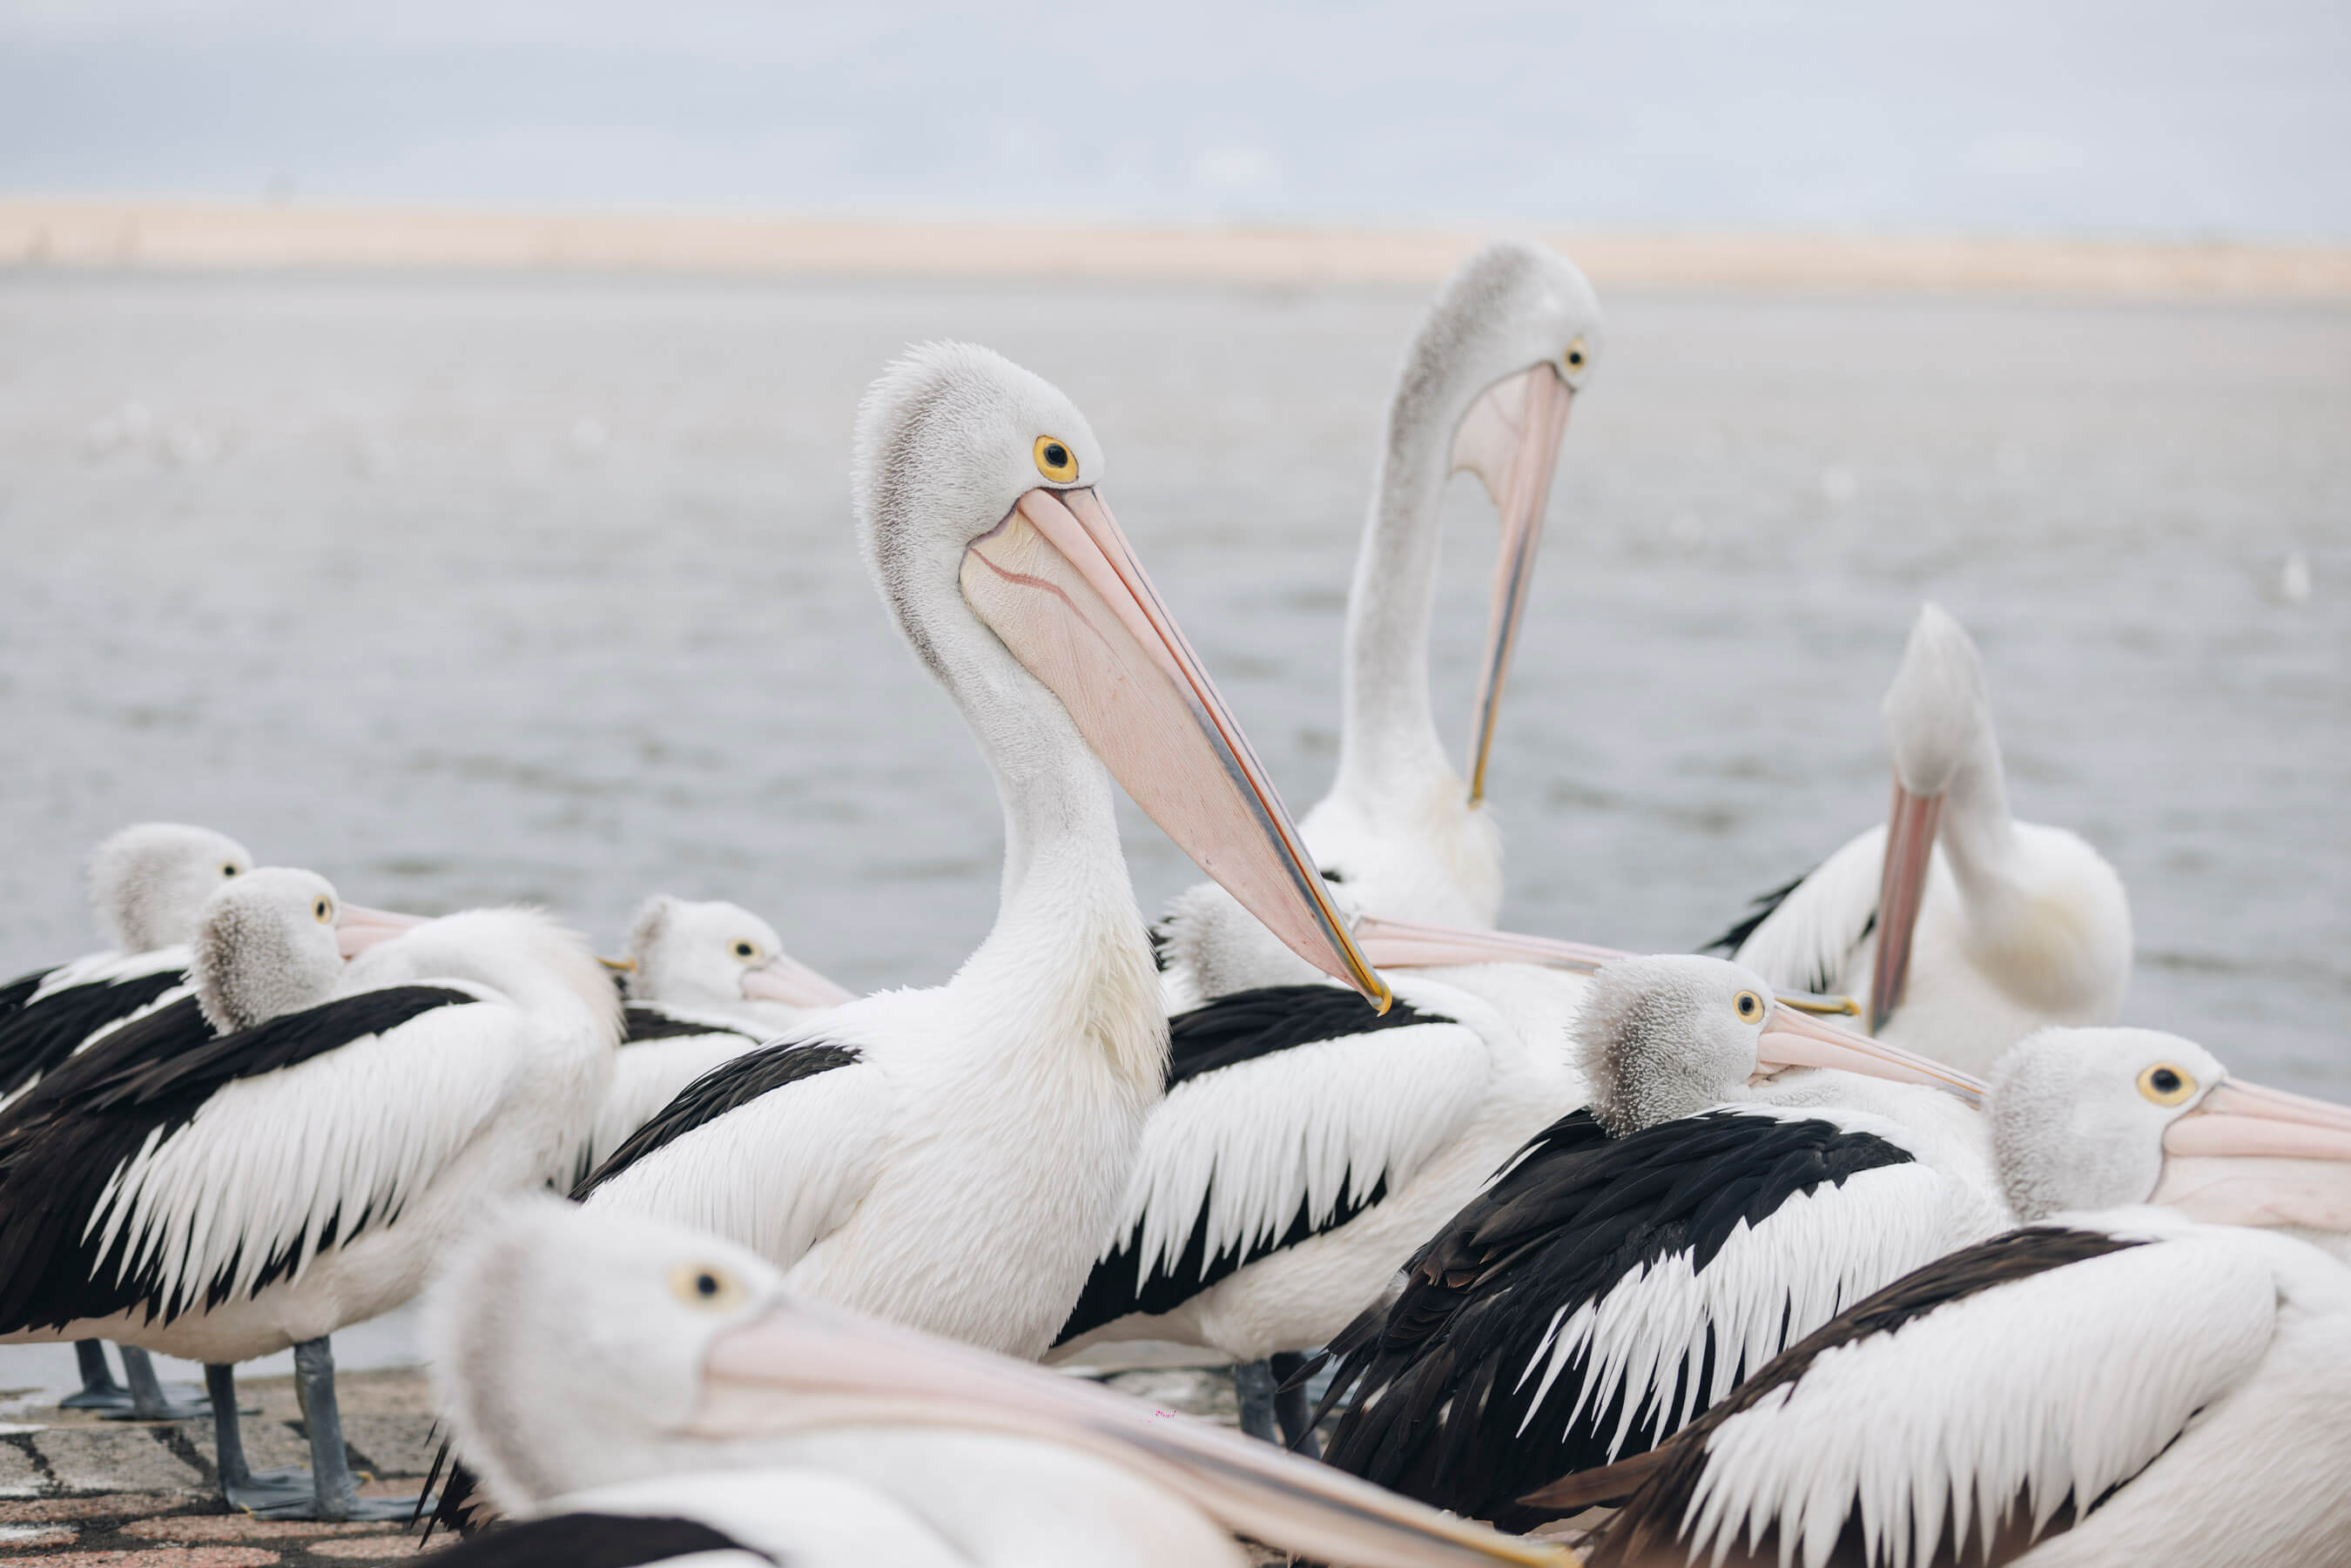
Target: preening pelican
(2109,1385)
(289,1149)
(1967,928)
(705,983)
(1620,1273)
(573,1350)
(951,1158)
(1305,1149)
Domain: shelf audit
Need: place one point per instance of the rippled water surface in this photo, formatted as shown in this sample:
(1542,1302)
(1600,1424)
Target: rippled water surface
(464,589)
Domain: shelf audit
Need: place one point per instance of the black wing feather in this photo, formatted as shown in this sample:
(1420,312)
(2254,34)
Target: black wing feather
(642,1021)
(729,1086)
(37,1036)
(1439,1410)
(590,1541)
(1223,1033)
(61,1145)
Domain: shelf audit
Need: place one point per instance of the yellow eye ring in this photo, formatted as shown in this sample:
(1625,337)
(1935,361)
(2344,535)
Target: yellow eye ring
(2166,1084)
(706,1287)
(1576,358)
(322,910)
(747,950)
(1750,1006)
(1055,460)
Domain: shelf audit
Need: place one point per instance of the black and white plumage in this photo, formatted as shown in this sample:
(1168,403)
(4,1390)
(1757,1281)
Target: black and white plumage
(959,1172)
(1622,1270)
(580,1356)
(2108,1385)
(287,1150)
(706,982)
(1980,927)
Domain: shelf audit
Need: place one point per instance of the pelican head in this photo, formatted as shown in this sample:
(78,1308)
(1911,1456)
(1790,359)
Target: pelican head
(1512,338)
(716,954)
(1671,1035)
(977,487)
(574,1348)
(1938,719)
(2097,1118)
(147,882)
(266,944)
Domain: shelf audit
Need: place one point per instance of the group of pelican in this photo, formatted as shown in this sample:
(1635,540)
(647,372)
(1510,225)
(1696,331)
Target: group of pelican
(1639,1256)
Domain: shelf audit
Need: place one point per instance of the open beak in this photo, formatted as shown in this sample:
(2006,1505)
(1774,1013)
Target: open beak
(1059,584)
(784,979)
(1412,944)
(1909,848)
(800,1368)
(1509,439)
(2250,1155)
(1793,1037)
(358,928)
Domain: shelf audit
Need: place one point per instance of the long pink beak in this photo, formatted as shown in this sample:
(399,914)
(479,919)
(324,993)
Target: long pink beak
(1910,825)
(2250,1155)
(784,979)
(358,928)
(1412,944)
(1794,1039)
(799,1368)
(1509,439)
(1059,583)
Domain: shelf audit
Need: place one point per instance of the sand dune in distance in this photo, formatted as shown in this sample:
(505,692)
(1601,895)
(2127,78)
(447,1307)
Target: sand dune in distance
(84,233)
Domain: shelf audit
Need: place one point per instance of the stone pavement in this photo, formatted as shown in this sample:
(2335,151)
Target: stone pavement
(77,1492)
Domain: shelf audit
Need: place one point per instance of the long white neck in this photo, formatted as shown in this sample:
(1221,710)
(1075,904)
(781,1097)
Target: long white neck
(1977,834)
(1388,743)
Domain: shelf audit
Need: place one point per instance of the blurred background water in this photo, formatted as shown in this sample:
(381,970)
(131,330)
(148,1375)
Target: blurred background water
(485,589)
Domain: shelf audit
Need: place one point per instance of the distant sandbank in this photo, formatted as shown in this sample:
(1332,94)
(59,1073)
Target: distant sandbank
(93,233)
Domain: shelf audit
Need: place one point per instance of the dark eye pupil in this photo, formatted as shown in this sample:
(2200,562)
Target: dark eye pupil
(1059,456)
(2166,1080)
(705,1284)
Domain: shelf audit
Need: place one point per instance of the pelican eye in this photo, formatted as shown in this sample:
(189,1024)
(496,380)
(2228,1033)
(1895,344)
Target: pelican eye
(228,868)
(1750,1006)
(708,1286)
(323,910)
(1055,460)
(2166,1084)
(745,951)
(1575,358)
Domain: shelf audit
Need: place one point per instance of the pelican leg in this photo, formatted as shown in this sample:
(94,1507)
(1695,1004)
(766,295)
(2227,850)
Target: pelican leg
(1253,1381)
(1290,1406)
(336,1493)
(98,1389)
(265,1494)
(149,1400)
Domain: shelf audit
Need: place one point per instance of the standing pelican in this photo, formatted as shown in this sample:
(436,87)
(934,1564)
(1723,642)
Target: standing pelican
(706,982)
(952,1158)
(574,1352)
(1969,928)
(300,1166)
(1621,1270)
(2113,1383)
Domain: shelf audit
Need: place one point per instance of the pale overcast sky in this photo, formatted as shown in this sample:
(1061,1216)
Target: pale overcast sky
(2169,117)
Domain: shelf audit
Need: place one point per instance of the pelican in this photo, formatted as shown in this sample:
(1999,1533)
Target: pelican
(301,1164)
(2155,1370)
(1275,1151)
(951,1158)
(706,982)
(1968,928)
(573,1352)
(1616,1276)
(146,883)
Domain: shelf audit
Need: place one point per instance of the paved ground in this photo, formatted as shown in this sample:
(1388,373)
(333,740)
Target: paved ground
(77,1492)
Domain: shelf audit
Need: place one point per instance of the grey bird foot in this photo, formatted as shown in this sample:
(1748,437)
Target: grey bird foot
(294,1494)
(98,1389)
(153,1400)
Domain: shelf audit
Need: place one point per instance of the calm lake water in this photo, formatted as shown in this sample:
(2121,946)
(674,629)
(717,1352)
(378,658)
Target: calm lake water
(467,590)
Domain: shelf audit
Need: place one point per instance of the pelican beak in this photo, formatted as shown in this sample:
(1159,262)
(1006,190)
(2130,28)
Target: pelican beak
(1909,848)
(1410,944)
(1793,1037)
(1058,582)
(784,979)
(619,965)
(797,1369)
(2250,1155)
(358,928)
(1509,439)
